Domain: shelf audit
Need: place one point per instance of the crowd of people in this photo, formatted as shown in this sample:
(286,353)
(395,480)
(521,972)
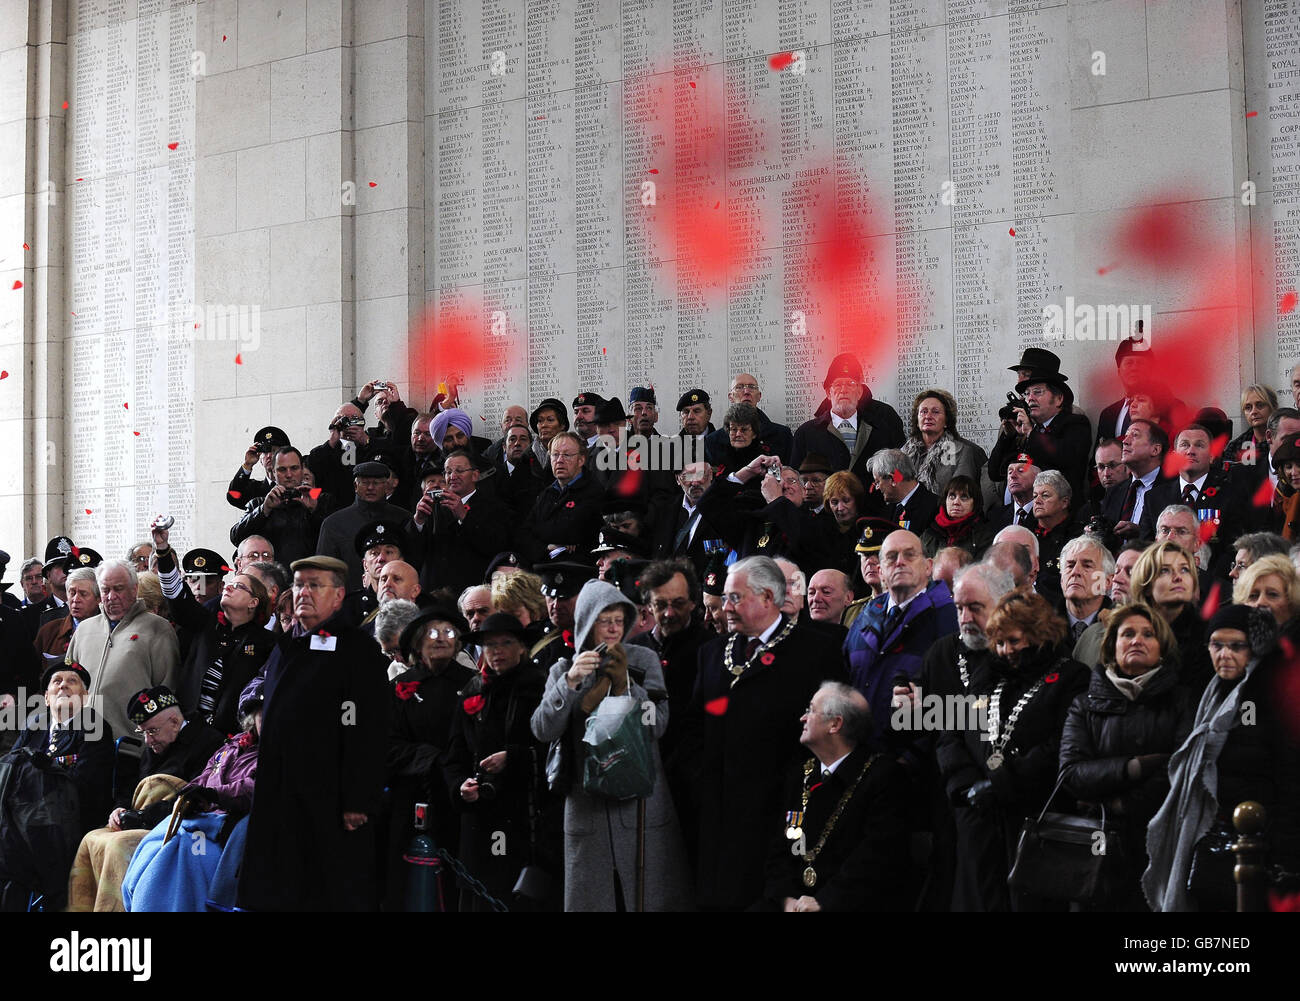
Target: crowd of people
(841,666)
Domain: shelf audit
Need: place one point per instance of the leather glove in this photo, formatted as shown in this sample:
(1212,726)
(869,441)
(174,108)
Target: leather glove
(1145,765)
(615,668)
(980,795)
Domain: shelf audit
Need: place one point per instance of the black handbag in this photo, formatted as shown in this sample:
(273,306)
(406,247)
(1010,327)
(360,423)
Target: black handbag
(1066,858)
(1211,880)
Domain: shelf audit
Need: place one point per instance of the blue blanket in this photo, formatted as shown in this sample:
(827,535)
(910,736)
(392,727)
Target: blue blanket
(174,876)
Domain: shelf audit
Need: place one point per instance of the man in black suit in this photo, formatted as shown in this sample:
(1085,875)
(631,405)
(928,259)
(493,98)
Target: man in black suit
(453,539)
(852,427)
(1136,363)
(1060,439)
(1123,505)
(1207,488)
(1020,475)
(843,833)
(751,687)
(898,496)
(519,474)
(1108,460)
(680,528)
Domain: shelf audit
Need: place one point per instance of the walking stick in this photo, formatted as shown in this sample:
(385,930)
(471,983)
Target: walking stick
(640,855)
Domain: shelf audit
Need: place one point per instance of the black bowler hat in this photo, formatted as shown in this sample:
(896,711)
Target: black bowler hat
(509,559)
(268,439)
(415,630)
(815,462)
(612,412)
(588,400)
(1039,359)
(563,578)
(380,533)
(643,394)
(148,703)
(57,548)
(376,469)
(692,397)
(204,561)
(550,403)
(498,623)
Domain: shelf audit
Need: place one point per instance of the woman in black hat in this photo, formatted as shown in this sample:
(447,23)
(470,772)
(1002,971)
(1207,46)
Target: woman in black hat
(423,704)
(742,425)
(493,764)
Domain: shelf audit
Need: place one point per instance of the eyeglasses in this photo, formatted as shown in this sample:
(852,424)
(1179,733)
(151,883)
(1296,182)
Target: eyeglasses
(458,472)
(742,429)
(449,633)
(309,585)
(678,604)
(259,556)
(609,623)
(1035,392)
(234,585)
(744,385)
(1239,566)
(1237,647)
(150,731)
(843,385)
(810,711)
(564,455)
(732,598)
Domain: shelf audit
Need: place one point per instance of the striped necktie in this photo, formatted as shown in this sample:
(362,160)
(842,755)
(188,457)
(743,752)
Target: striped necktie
(850,435)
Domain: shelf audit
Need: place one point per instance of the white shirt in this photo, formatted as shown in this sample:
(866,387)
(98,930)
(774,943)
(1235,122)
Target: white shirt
(834,764)
(1198,484)
(909,495)
(770,631)
(1119,421)
(837,420)
(690,519)
(1144,484)
(892,604)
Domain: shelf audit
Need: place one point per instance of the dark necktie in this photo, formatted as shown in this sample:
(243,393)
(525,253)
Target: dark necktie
(1077,629)
(751,647)
(892,618)
(1022,516)
(1189,495)
(1130,500)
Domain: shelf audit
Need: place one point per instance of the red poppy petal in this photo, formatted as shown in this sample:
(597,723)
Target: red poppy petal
(1264,495)
(717,707)
(1208,528)
(1211,603)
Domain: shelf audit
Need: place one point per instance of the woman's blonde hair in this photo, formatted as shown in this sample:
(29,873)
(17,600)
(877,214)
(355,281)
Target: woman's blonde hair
(1262,567)
(520,589)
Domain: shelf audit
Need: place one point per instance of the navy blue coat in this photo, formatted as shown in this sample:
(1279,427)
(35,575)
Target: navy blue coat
(875,660)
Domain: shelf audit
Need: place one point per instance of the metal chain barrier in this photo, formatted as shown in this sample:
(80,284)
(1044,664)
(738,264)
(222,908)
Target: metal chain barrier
(478,888)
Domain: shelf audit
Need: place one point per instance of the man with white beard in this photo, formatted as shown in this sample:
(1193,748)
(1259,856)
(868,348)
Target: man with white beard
(951,664)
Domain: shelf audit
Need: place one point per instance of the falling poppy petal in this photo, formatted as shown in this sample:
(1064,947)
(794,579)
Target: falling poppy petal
(717,707)
(1264,495)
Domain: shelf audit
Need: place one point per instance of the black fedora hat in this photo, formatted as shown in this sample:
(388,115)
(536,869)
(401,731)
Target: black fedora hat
(612,412)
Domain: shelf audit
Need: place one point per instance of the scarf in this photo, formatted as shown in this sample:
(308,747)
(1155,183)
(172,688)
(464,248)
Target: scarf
(1131,688)
(928,460)
(954,530)
(1192,804)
